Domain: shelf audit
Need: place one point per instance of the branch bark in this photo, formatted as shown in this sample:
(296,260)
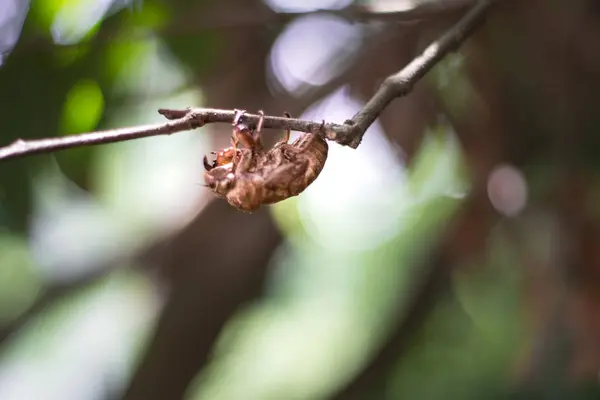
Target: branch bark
(350,133)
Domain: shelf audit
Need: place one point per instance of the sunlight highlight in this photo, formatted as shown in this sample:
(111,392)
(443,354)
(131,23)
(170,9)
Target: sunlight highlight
(312,50)
(76,19)
(301,6)
(12,16)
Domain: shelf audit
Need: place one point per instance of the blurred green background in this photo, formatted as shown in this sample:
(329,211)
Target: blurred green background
(454,255)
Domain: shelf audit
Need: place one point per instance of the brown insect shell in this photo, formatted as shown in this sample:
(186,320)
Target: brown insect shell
(302,162)
(284,171)
(225,156)
(247,136)
(242,186)
(220,179)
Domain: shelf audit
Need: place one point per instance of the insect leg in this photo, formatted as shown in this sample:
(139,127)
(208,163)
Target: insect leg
(234,138)
(237,116)
(207,166)
(278,156)
(261,119)
(286,137)
(244,163)
(254,134)
(234,143)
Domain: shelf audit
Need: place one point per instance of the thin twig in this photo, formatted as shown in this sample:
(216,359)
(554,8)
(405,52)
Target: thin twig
(350,133)
(401,83)
(21,148)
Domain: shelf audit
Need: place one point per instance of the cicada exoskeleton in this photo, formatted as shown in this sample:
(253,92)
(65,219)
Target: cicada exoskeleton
(247,176)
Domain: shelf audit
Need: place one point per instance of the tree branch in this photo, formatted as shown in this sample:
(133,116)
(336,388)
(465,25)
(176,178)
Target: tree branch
(349,133)
(401,83)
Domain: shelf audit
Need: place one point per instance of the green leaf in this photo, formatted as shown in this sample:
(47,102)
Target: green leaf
(83,107)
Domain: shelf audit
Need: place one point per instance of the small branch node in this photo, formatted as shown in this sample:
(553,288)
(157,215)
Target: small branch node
(397,85)
(319,129)
(19,143)
(173,114)
(195,119)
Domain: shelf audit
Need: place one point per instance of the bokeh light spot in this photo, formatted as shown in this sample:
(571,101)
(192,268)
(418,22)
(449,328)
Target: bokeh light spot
(12,16)
(19,282)
(300,6)
(83,108)
(312,50)
(507,190)
(75,20)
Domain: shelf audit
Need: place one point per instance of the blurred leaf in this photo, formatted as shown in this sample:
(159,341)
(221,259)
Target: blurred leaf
(438,167)
(69,55)
(19,282)
(452,84)
(94,334)
(33,90)
(289,220)
(44,12)
(121,55)
(153,15)
(83,107)
(198,52)
(469,345)
(71,21)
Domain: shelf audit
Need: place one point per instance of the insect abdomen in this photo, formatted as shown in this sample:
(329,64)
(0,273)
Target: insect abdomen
(315,149)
